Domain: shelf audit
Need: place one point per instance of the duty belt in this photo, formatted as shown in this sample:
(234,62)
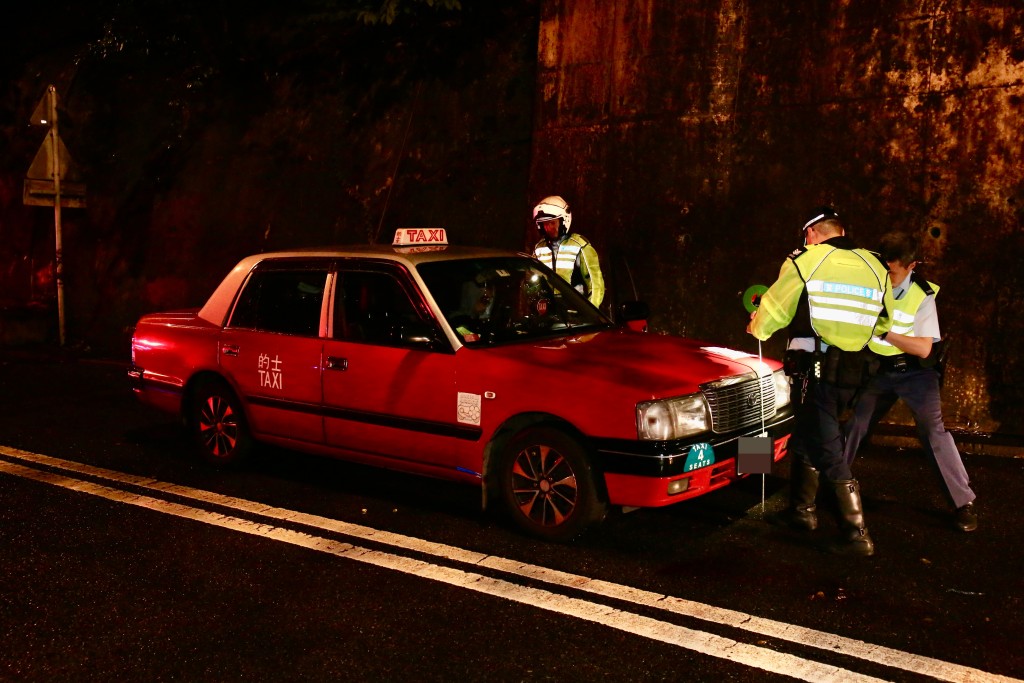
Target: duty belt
(900,363)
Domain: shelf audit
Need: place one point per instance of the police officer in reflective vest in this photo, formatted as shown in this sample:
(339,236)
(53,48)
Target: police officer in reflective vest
(909,370)
(567,253)
(831,296)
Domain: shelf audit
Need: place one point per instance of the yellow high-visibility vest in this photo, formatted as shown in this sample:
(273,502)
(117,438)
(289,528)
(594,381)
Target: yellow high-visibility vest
(571,253)
(847,289)
(903,315)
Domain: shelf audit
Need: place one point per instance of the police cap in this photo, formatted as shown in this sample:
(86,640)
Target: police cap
(821,213)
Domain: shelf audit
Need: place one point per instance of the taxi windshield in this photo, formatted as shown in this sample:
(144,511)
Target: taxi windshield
(502,299)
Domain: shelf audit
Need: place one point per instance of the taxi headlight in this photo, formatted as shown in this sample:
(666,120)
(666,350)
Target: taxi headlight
(671,418)
(781,389)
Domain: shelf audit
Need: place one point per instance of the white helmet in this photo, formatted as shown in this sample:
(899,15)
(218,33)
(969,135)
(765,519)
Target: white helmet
(550,208)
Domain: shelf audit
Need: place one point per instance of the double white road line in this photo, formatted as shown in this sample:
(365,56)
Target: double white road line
(505,578)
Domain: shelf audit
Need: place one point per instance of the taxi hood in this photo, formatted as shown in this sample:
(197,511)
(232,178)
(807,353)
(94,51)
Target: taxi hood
(644,366)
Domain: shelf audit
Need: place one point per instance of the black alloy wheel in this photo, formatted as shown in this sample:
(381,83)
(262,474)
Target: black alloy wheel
(218,424)
(547,484)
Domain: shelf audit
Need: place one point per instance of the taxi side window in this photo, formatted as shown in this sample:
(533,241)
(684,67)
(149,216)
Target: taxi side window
(285,301)
(372,307)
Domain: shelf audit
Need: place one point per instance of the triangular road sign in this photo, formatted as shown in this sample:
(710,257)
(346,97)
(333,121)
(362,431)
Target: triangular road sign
(42,166)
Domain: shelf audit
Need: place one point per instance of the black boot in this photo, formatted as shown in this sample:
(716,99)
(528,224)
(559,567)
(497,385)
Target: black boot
(854,538)
(803,488)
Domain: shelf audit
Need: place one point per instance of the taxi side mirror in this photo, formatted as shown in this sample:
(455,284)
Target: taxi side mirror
(630,311)
(634,310)
(634,315)
(421,334)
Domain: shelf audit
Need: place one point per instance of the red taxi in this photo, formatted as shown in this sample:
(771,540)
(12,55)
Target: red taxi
(468,364)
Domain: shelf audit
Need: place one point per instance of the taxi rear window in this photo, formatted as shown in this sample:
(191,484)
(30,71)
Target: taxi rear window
(282,300)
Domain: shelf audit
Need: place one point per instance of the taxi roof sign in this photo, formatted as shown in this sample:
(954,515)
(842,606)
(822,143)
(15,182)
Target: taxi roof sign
(420,237)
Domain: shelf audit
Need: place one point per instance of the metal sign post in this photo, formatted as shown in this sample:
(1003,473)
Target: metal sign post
(43,186)
(51,96)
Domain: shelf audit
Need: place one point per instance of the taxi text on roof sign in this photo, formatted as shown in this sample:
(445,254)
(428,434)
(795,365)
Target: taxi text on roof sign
(420,237)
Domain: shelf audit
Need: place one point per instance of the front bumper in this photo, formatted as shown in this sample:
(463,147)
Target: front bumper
(642,473)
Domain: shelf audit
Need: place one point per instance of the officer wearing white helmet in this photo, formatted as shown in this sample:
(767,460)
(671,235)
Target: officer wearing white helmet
(567,253)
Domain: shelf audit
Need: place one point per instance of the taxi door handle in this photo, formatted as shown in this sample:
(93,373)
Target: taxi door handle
(335,363)
(229,349)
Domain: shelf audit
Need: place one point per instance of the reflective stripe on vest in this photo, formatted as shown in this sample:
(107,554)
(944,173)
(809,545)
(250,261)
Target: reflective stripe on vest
(903,318)
(566,254)
(845,291)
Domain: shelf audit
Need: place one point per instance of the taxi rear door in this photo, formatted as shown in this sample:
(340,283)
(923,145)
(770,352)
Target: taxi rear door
(271,348)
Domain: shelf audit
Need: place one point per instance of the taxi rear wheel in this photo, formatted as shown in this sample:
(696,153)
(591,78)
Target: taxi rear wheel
(218,424)
(547,484)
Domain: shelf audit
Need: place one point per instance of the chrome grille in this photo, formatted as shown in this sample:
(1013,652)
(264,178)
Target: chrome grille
(734,402)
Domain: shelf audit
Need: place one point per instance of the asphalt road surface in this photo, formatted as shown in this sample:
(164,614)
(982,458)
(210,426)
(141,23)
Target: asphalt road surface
(122,557)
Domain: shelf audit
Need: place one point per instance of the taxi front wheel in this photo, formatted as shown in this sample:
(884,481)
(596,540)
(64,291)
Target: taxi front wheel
(547,484)
(218,424)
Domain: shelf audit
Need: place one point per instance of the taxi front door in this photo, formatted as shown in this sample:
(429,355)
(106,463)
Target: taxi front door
(386,399)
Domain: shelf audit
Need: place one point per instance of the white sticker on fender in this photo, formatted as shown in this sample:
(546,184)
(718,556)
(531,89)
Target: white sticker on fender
(469,408)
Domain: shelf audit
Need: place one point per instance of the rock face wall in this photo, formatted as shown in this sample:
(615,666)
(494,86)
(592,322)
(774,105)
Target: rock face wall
(690,137)
(692,140)
(209,131)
